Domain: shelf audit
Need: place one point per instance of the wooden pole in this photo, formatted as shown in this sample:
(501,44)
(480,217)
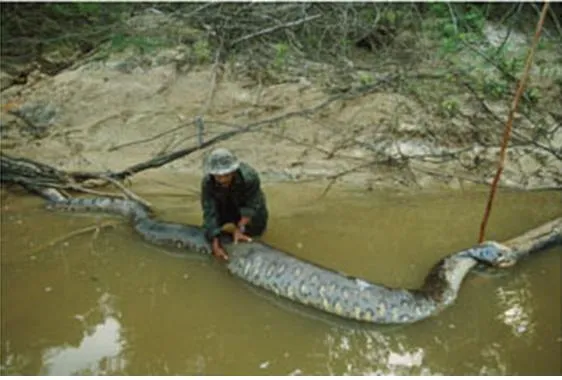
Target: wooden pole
(508,126)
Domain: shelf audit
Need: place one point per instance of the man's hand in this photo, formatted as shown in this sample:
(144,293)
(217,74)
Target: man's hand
(238,234)
(218,250)
(243,221)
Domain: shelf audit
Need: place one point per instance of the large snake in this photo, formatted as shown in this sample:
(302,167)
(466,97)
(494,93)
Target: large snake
(330,291)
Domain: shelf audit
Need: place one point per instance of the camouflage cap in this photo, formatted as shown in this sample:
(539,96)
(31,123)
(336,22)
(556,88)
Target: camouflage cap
(220,161)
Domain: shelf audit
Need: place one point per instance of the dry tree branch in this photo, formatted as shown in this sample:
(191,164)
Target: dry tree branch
(75,233)
(308,145)
(335,177)
(162,160)
(152,138)
(453,17)
(539,13)
(128,192)
(272,29)
(517,135)
(63,186)
(508,126)
(214,75)
(197,10)
(556,20)
(30,173)
(509,31)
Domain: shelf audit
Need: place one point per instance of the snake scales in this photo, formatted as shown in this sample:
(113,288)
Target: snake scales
(310,284)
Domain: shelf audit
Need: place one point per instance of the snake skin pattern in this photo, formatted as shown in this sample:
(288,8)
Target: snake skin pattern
(330,291)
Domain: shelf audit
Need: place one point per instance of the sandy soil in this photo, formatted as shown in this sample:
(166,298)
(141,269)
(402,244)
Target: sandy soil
(83,118)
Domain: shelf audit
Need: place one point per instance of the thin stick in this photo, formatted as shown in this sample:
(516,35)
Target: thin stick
(75,233)
(128,192)
(507,131)
(273,29)
(452,13)
(61,186)
(179,127)
(213,84)
(335,177)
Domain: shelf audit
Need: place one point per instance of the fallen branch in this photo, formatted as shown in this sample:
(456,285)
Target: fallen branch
(273,29)
(157,136)
(11,168)
(75,233)
(36,176)
(516,134)
(335,177)
(128,192)
(309,145)
(213,84)
(162,160)
(30,173)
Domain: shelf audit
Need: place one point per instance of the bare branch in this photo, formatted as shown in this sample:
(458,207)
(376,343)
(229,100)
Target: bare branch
(335,177)
(95,228)
(273,29)
(128,192)
(155,137)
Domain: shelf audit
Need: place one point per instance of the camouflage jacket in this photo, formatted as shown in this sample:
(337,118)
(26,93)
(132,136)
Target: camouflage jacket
(244,193)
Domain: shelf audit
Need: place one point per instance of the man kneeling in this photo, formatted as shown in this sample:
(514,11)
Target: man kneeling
(231,193)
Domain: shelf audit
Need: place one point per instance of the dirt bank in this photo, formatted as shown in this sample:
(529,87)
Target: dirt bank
(107,115)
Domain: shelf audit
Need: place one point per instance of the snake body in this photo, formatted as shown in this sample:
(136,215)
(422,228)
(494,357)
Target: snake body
(325,289)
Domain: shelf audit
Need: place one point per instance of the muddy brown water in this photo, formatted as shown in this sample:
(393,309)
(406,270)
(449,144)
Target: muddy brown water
(108,303)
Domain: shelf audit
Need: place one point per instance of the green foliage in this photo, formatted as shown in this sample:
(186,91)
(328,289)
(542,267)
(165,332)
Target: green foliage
(449,107)
(29,28)
(495,88)
(453,26)
(345,45)
(439,10)
(202,51)
(511,65)
(281,55)
(459,28)
(75,9)
(278,63)
(474,19)
(122,41)
(366,79)
(532,95)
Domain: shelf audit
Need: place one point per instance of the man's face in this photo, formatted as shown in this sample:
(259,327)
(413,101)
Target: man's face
(224,179)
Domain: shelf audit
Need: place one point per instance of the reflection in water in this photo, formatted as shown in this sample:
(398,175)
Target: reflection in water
(406,359)
(371,352)
(493,354)
(12,363)
(97,353)
(515,310)
(195,365)
(517,306)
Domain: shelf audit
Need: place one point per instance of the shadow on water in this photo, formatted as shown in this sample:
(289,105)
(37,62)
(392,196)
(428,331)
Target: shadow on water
(108,303)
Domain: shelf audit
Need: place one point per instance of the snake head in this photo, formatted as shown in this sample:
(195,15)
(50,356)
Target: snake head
(494,254)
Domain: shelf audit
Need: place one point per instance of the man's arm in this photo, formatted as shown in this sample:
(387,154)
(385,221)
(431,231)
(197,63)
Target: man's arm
(253,197)
(210,222)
